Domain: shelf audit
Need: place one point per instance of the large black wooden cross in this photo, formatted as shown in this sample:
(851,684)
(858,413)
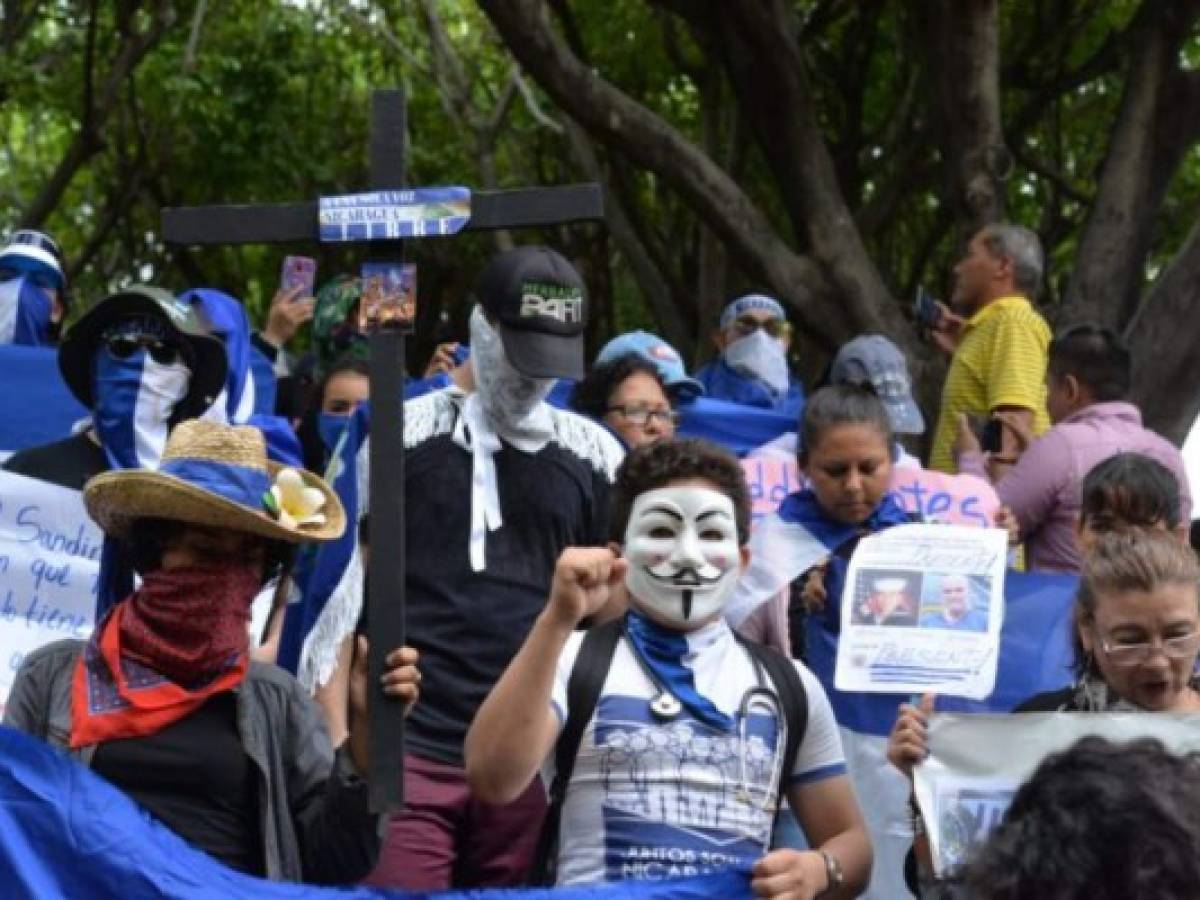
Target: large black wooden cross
(292,222)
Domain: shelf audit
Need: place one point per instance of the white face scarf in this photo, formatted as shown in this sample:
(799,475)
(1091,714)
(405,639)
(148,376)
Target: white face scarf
(683,552)
(505,404)
(760,356)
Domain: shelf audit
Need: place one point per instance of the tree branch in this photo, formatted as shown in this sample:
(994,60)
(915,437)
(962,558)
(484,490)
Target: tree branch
(617,121)
(1164,353)
(790,135)
(87,141)
(654,286)
(963,50)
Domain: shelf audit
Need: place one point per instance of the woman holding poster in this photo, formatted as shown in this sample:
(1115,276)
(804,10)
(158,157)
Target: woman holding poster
(1137,637)
(799,559)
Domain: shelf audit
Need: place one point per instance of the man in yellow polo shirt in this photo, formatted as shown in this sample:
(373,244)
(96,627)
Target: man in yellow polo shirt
(998,340)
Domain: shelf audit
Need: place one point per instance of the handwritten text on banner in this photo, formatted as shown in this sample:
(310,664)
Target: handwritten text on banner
(49,560)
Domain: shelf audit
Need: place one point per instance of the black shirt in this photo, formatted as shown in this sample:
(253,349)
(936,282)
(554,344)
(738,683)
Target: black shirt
(68,463)
(469,625)
(195,778)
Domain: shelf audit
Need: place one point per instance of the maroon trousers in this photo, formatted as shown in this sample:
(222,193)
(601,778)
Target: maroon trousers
(446,838)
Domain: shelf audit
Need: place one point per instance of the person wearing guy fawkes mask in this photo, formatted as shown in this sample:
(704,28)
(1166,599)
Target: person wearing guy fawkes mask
(752,368)
(498,483)
(674,773)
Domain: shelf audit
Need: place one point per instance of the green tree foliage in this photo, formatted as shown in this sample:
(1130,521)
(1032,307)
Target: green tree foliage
(836,153)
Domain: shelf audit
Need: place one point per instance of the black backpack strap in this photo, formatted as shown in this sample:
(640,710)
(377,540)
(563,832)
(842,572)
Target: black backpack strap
(583,692)
(792,697)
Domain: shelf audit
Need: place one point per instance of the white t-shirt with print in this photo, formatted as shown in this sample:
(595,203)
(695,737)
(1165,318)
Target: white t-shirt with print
(650,799)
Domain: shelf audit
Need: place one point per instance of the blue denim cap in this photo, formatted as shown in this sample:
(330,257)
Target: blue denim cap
(871,359)
(654,349)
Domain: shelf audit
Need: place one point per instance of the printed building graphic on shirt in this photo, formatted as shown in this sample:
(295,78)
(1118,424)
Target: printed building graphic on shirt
(679,797)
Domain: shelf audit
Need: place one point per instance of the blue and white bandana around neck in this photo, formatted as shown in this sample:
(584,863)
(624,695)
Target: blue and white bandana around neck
(662,651)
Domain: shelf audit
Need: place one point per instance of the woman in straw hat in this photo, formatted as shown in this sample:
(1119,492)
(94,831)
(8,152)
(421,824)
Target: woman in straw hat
(163,700)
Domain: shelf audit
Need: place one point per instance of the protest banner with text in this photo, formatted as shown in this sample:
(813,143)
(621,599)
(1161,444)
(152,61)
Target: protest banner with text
(49,561)
(977,762)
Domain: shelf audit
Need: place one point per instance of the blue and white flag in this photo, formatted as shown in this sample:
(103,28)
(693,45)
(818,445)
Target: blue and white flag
(390,215)
(66,833)
(248,397)
(35,405)
(328,574)
(25,311)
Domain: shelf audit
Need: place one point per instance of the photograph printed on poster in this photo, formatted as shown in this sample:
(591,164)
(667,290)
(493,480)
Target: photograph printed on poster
(952,601)
(886,597)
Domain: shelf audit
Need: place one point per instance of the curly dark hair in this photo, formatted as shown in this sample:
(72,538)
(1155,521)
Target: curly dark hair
(1098,821)
(664,462)
(590,396)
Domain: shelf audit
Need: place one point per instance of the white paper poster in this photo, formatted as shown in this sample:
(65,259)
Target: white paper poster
(977,762)
(922,610)
(49,562)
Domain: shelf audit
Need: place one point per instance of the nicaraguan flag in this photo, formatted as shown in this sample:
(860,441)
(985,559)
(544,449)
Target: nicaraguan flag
(328,575)
(66,833)
(24,313)
(35,405)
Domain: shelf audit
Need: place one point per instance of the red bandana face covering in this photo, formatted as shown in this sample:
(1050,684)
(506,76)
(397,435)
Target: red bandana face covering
(163,652)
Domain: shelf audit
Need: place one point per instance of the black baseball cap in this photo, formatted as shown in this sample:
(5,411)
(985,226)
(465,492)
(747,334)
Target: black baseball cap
(537,300)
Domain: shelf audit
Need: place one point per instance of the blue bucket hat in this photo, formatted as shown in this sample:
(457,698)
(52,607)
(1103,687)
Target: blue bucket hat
(655,350)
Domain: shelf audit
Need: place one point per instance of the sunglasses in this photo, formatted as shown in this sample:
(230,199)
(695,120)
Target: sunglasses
(123,346)
(776,328)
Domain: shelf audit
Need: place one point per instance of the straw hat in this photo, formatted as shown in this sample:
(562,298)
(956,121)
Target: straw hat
(219,476)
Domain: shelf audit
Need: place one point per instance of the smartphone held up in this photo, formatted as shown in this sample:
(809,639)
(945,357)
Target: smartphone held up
(926,310)
(298,272)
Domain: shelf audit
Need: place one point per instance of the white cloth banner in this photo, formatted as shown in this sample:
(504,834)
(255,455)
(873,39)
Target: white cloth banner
(922,610)
(49,563)
(976,763)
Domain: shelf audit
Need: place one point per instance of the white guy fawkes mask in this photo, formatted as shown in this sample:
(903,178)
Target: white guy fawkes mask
(682,547)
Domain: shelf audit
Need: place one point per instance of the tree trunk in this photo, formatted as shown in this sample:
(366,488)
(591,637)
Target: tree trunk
(963,62)
(1158,121)
(619,122)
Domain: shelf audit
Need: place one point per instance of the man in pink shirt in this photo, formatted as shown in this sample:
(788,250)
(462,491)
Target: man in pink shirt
(1087,382)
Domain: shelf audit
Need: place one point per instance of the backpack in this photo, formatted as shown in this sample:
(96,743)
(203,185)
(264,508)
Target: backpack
(583,692)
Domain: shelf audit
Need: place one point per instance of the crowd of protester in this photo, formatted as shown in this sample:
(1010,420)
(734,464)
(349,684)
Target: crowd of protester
(589,619)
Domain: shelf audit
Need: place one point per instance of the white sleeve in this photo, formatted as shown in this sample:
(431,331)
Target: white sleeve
(562,675)
(820,754)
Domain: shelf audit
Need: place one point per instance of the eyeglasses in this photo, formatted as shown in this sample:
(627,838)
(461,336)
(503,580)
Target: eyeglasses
(123,346)
(1180,647)
(641,415)
(776,328)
